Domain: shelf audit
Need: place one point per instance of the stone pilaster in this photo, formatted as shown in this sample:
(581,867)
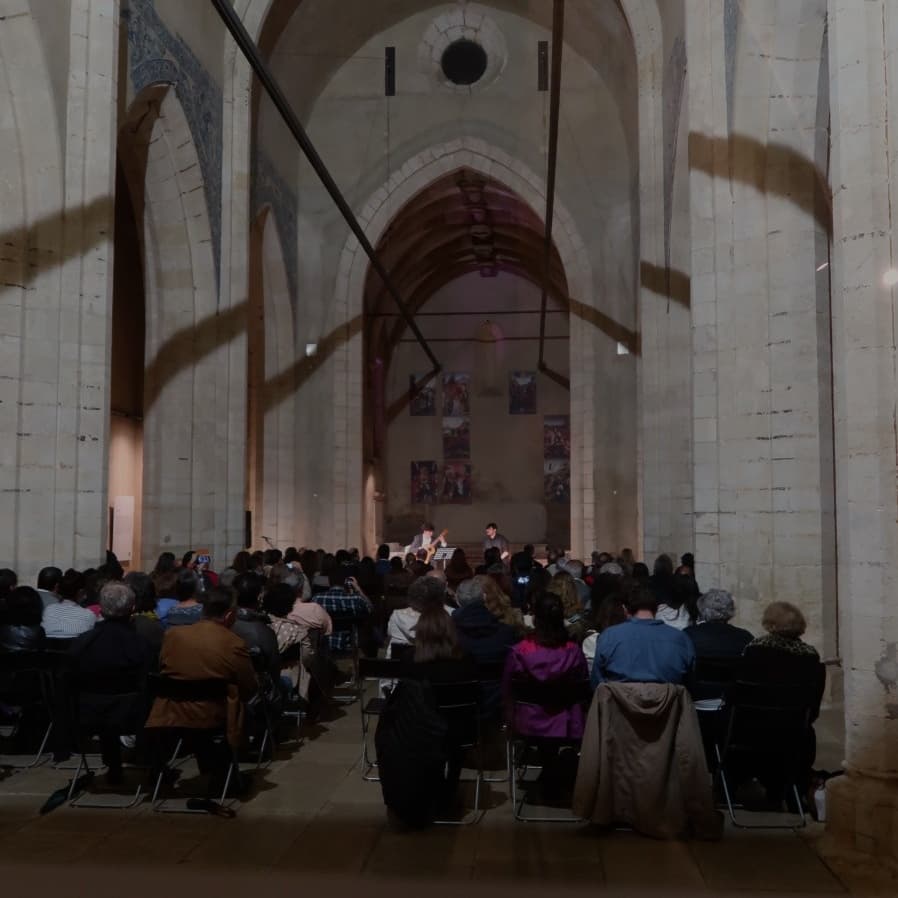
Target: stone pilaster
(863,806)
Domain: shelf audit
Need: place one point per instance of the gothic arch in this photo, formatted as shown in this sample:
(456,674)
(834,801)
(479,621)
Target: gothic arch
(185,381)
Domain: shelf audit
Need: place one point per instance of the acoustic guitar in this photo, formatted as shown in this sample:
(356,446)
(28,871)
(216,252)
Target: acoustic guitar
(432,548)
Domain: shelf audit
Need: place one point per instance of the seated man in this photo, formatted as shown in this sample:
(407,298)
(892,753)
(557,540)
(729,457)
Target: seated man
(116,652)
(345,601)
(67,619)
(207,650)
(642,649)
(48,585)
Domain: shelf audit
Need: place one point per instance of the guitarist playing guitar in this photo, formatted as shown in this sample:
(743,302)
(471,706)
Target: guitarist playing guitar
(425,540)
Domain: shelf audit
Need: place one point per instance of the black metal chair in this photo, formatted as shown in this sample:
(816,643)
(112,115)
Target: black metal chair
(175,690)
(460,704)
(109,704)
(374,669)
(348,625)
(552,696)
(767,729)
(26,683)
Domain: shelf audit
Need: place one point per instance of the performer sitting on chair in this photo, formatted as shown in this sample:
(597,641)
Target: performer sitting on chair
(425,539)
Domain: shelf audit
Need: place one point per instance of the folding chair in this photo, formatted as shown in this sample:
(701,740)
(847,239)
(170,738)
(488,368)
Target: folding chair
(212,690)
(460,704)
(374,669)
(553,696)
(711,679)
(489,675)
(261,710)
(348,625)
(767,728)
(123,697)
(26,682)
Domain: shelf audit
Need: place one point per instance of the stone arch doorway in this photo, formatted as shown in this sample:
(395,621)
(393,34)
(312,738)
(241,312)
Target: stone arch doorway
(466,255)
(184,337)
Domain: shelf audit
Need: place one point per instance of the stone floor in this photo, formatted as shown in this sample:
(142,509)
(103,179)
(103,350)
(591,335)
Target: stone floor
(310,815)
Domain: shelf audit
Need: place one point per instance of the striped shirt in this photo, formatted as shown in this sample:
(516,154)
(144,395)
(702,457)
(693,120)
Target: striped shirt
(67,619)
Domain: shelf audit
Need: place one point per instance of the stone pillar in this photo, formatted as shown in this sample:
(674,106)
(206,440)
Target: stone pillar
(863,806)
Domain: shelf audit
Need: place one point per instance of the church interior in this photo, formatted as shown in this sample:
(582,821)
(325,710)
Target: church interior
(309,273)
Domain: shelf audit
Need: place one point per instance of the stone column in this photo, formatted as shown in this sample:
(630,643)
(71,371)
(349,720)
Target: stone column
(863,806)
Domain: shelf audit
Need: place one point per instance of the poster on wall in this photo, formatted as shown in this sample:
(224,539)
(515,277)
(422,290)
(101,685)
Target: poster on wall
(456,483)
(457,438)
(557,480)
(422,397)
(557,436)
(456,395)
(424,482)
(522,393)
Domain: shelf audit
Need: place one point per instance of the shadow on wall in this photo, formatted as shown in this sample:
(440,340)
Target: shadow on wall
(770,168)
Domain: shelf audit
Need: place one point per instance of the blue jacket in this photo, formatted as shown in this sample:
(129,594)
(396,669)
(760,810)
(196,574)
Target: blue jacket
(643,651)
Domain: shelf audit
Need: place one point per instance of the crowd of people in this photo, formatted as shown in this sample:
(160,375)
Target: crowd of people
(275,626)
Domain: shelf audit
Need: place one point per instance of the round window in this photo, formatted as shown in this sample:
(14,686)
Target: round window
(464,62)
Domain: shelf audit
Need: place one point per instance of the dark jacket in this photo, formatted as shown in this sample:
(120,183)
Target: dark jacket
(488,641)
(111,653)
(255,630)
(717,639)
(20,638)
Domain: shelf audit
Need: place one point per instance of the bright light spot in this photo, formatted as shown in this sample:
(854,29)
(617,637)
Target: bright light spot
(824,265)
(311,349)
(890,278)
(622,349)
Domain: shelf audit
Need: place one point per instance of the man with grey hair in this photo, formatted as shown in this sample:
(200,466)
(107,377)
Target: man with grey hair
(714,636)
(115,652)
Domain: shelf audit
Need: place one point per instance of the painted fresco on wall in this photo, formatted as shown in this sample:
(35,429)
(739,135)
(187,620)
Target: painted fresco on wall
(457,438)
(557,480)
(456,397)
(522,393)
(422,399)
(424,482)
(556,436)
(456,483)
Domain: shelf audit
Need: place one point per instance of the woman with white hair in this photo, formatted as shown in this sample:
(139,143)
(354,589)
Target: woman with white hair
(714,636)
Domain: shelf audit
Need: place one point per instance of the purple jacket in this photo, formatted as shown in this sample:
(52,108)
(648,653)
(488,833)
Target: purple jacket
(530,660)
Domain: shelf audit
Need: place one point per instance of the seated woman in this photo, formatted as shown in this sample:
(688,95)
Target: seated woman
(718,644)
(548,655)
(458,569)
(425,592)
(563,586)
(782,661)
(188,609)
(419,752)
(499,604)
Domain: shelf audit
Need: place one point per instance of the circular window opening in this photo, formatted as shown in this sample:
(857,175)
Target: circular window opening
(464,62)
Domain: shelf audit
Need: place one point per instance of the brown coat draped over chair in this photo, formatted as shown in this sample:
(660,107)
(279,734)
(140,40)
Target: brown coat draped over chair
(642,763)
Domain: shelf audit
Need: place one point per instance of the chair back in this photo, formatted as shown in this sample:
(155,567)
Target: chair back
(714,675)
(176,690)
(380,668)
(769,720)
(57,644)
(26,675)
(401,651)
(551,695)
(459,703)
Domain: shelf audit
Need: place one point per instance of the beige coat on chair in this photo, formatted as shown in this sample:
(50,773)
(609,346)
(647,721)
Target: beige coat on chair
(642,763)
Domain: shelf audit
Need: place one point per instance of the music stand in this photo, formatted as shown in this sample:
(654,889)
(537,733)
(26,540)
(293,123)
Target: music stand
(443,554)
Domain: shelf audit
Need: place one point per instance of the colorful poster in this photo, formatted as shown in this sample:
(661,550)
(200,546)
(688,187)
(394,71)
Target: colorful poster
(522,393)
(422,397)
(556,436)
(457,396)
(456,438)
(424,482)
(456,486)
(557,480)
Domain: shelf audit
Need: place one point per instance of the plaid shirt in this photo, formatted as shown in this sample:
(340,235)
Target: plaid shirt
(344,607)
